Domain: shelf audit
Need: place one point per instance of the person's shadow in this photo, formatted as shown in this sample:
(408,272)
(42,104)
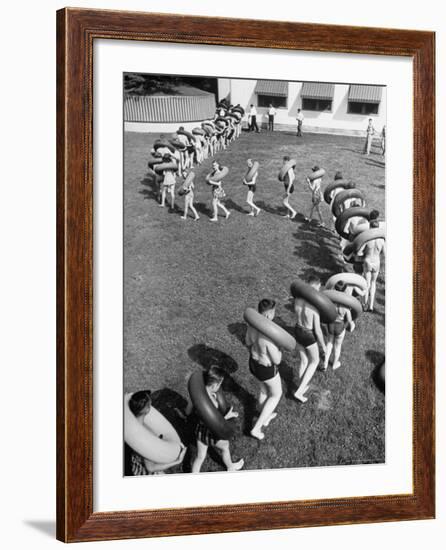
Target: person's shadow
(151,189)
(377,359)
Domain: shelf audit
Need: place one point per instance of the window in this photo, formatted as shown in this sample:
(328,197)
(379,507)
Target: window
(362,108)
(310,104)
(267,100)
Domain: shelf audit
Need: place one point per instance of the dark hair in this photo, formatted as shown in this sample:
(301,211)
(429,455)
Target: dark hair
(140,402)
(313,279)
(214,375)
(166,157)
(181,128)
(374,214)
(315,168)
(350,185)
(286,158)
(338,176)
(265,305)
(374,224)
(340,286)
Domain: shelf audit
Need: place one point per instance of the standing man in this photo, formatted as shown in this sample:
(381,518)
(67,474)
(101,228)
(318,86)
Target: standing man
(308,334)
(253,119)
(300,119)
(370,132)
(383,140)
(271,115)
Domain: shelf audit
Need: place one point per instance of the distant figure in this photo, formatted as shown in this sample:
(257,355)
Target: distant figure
(255,210)
(271,115)
(253,119)
(370,132)
(316,197)
(300,119)
(218,193)
(383,140)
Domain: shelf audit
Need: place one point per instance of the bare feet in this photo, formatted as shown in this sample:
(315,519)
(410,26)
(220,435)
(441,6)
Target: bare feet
(293,216)
(257,434)
(236,466)
(336,365)
(228,214)
(300,397)
(183,218)
(197,218)
(213,219)
(272,416)
(251,214)
(258,212)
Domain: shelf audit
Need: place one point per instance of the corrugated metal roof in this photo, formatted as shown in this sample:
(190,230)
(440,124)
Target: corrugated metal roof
(317,90)
(365,93)
(169,108)
(272,87)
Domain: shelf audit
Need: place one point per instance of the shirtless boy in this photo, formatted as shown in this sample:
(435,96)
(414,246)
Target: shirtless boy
(264,359)
(288,182)
(308,335)
(372,263)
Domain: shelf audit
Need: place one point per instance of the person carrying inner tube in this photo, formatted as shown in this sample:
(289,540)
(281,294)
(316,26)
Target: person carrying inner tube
(213,379)
(371,253)
(336,330)
(218,193)
(308,334)
(288,182)
(255,210)
(264,359)
(316,197)
(140,404)
(168,185)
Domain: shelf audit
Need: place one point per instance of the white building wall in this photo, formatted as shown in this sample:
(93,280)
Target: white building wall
(338,121)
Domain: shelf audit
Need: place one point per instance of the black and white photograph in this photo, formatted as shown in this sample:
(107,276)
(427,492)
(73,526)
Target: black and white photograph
(254,274)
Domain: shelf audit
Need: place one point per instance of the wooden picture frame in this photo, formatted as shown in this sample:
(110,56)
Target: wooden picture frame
(76,31)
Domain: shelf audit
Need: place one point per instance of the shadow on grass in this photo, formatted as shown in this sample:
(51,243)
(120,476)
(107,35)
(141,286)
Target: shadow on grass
(206,357)
(377,359)
(318,248)
(238,330)
(202,208)
(151,188)
(376,163)
(276,210)
(231,205)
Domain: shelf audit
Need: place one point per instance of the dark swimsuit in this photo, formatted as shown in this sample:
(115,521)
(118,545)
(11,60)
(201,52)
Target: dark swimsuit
(252,188)
(336,328)
(289,188)
(305,336)
(261,372)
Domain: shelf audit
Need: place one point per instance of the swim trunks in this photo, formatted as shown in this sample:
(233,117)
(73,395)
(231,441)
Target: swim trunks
(261,372)
(252,188)
(371,266)
(336,328)
(289,188)
(304,336)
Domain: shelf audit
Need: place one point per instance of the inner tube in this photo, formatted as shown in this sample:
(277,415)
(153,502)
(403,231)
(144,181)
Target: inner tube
(342,197)
(209,130)
(382,373)
(198,132)
(185,133)
(353,212)
(358,229)
(145,439)
(252,171)
(237,116)
(218,177)
(363,238)
(222,120)
(315,175)
(283,171)
(161,143)
(166,166)
(206,410)
(153,161)
(322,303)
(189,179)
(271,330)
(238,108)
(334,185)
(177,144)
(343,299)
(352,279)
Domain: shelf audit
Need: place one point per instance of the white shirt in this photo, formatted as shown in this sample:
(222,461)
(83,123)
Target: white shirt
(253,111)
(300,116)
(272,111)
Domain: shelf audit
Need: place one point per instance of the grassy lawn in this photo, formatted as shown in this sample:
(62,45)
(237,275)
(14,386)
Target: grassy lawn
(187,284)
